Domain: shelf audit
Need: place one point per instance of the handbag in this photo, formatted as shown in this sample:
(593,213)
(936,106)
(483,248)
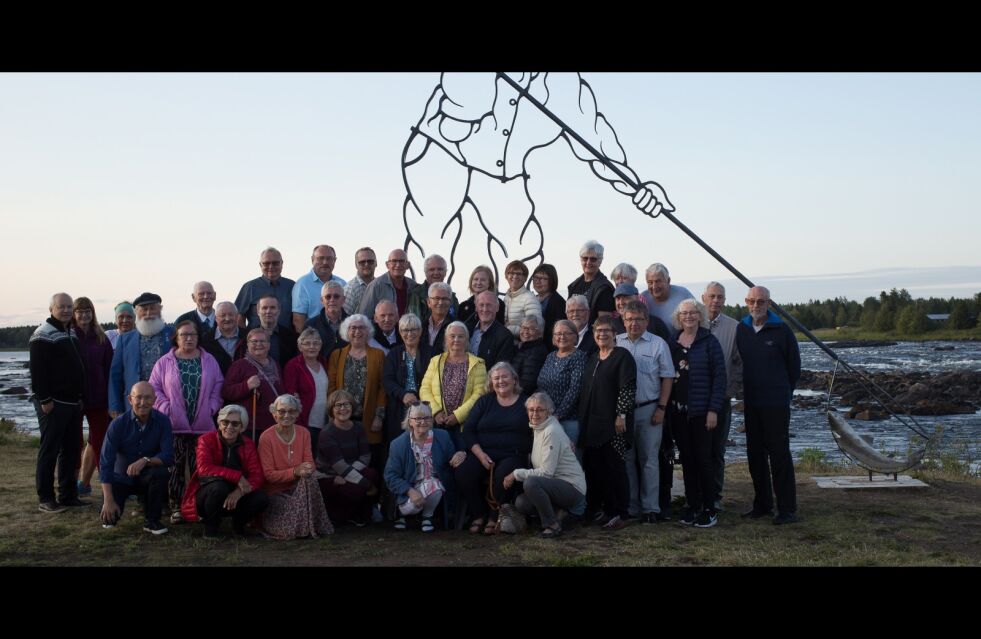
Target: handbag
(510,521)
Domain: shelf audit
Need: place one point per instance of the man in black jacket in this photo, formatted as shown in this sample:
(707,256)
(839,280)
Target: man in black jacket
(328,321)
(205,315)
(489,339)
(282,339)
(58,380)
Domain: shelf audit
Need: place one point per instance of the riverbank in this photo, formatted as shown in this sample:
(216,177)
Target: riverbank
(935,526)
(829,335)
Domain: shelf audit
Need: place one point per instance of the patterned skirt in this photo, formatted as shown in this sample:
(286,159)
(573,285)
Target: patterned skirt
(185,461)
(298,512)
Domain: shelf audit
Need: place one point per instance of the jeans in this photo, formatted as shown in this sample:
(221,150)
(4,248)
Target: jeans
(543,494)
(643,468)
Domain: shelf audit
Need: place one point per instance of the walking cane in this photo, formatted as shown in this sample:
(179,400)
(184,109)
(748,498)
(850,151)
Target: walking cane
(255,395)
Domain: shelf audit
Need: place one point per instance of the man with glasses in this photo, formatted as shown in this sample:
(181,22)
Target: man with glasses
(440,301)
(138,351)
(577,312)
(328,321)
(364,263)
(622,296)
(394,286)
(592,283)
(771,368)
(271,282)
(435,268)
(306,291)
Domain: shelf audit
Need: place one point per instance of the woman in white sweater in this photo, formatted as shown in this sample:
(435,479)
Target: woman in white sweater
(519,302)
(556,479)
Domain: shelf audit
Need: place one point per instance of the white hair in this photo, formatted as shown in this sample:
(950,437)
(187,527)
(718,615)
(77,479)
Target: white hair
(350,319)
(657,267)
(591,246)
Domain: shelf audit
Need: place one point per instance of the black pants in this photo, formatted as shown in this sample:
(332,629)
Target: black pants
(768,444)
(210,503)
(695,445)
(60,439)
(666,465)
(472,477)
(151,484)
(607,486)
(720,435)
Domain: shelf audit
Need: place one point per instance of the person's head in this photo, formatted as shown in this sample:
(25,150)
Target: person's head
(386,315)
(544,279)
(356,329)
(487,305)
(658,282)
(531,328)
(689,314)
(340,405)
(481,279)
(502,379)
(418,420)
(410,328)
(435,268)
(271,263)
(141,398)
(60,307)
(323,259)
(267,308)
(591,258)
(439,301)
(635,318)
(285,409)
(540,407)
(226,317)
(257,343)
(83,315)
(623,295)
(577,311)
(332,297)
(565,335)
(148,309)
(203,296)
(456,338)
(232,422)
(758,302)
(309,342)
(603,332)
(516,274)
(624,272)
(397,263)
(125,317)
(365,263)
(185,337)
(714,299)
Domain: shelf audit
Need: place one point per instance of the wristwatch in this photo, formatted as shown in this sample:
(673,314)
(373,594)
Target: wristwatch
(622,416)
(147,460)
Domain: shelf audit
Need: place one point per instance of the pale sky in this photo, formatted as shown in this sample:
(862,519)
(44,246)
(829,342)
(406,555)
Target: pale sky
(112,184)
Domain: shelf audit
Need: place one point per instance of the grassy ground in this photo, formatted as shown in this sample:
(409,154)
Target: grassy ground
(833,334)
(939,525)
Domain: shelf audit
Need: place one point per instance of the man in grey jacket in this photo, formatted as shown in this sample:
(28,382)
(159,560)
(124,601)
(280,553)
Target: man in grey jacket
(394,286)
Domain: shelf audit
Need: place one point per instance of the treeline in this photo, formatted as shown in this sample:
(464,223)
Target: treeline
(17,336)
(892,311)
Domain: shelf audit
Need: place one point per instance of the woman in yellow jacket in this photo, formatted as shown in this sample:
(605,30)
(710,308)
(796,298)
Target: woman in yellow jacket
(453,382)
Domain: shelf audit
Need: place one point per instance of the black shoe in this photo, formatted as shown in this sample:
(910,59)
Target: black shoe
(785,518)
(154,528)
(706,519)
(661,517)
(688,517)
(599,518)
(51,507)
(211,533)
(756,514)
(357,521)
(648,518)
(74,502)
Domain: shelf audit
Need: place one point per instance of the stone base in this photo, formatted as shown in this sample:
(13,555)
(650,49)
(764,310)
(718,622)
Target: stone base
(862,481)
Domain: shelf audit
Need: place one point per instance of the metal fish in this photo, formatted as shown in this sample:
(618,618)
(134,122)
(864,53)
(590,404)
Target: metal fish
(864,455)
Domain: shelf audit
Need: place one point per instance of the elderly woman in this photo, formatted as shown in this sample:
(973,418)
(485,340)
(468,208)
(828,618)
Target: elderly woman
(623,272)
(228,476)
(254,380)
(545,281)
(306,377)
(696,400)
(405,366)
(125,321)
(348,485)
(188,382)
(555,479)
(296,507)
(481,279)
(606,406)
(453,382)
(419,462)
(96,352)
(519,302)
(561,378)
(496,433)
(530,358)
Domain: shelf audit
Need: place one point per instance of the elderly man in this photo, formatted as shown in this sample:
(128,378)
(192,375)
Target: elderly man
(271,282)
(771,368)
(577,312)
(394,286)
(386,333)
(203,296)
(328,321)
(306,291)
(137,451)
(655,376)
(227,335)
(439,302)
(58,381)
(137,351)
(282,339)
(489,339)
(435,269)
(364,264)
(661,296)
(622,296)
(724,329)
(592,283)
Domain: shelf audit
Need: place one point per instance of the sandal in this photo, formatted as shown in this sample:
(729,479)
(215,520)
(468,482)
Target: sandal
(476,525)
(551,532)
(427,525)
(491,527)
(400,523)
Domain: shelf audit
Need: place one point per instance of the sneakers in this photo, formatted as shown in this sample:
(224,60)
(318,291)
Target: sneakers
(82,489)
(51,507)
(74,502)
(688,517)
(427,525)
(785,518)
(615,523)
(706,519)
(154,528)
(400,524)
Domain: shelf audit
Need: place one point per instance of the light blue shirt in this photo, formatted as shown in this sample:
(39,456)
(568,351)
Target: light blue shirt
(653,357)
(306,293)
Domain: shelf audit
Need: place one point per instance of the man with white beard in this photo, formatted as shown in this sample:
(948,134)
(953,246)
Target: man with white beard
(137,351)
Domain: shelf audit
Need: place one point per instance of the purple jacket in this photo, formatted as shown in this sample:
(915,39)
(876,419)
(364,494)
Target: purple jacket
(166,382)
(97,359)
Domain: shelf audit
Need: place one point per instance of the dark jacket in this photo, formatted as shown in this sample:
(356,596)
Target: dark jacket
(285,338)
(496,344)
(552,312)
(588,343)
(57,371)
(528,361)
(771,361)
(599,293)
(439,344)
(379,336)
(468,310)
(328,336)
(394,378)
(97,359)
(609,388)
(706,373)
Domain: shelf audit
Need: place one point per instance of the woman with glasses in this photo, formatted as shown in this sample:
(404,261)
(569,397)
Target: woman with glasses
(96,352)
(561,378)
(453,382)
(348,485)
(545,281)
(306,377)
(296,507)
(228,477)
(188,383)
(519,302)
(592,283)
(254,380)
(530,352)
(405,366)
(418,468)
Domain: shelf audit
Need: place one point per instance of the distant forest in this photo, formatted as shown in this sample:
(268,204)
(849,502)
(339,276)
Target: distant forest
(17,336)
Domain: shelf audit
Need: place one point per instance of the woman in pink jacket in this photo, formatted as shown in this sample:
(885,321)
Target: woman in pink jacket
(187,381)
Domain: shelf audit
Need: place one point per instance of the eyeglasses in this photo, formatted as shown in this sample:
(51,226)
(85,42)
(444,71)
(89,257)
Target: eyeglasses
(333,296)
(365,262)
(268,264)
(286,411)
(752,302)
(563,335)
(514,274)
(259,342)
(409,330)
(187,335)
(398,261)
(421,420)
(83,311)
(591,258)
(688,313)
(227,422)
(307,343)
(540,278)
(419,403)
(439,300)
(356,328)
(537,409)
(342,405)
(602,331)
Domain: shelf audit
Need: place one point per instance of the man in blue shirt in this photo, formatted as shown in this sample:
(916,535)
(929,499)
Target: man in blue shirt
(307,290)
(136,454)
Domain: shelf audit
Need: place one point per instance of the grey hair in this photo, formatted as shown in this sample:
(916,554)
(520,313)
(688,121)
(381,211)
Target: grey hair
(713,283)
(579,299)
(537,319)
(270,249)
(57,295)
(702,320)
(489,387)
(235,408)
(408,413)
(541,397)
(226,303)
(591,245)
(434,256)
(410,320)
(309,333)
(350,319)
(331,284)
(657,267)
(291,401)
(457,324)
(624,269)
(569,324)
(441,286)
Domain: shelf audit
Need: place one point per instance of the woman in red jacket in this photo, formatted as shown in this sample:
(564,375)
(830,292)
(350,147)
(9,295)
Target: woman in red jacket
(306,377)
(227,478)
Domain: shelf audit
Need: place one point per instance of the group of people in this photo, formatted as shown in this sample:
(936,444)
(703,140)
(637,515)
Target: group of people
(309,403)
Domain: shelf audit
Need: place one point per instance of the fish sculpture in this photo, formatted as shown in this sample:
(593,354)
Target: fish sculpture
(863,454)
